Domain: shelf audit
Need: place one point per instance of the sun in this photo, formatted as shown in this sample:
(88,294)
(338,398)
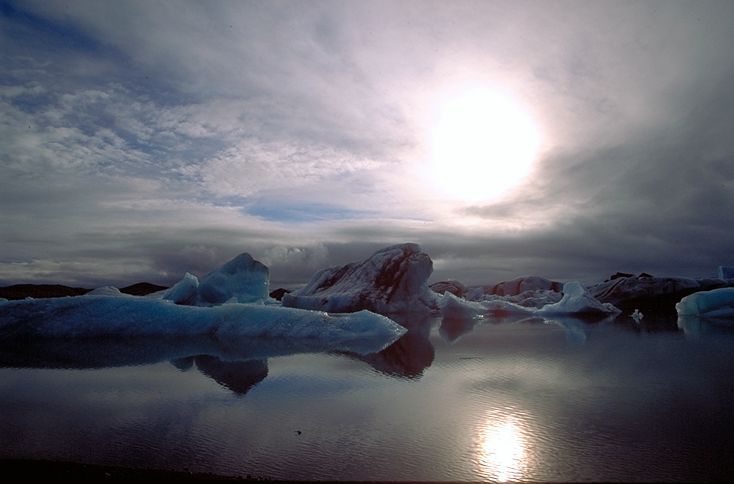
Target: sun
(483,143)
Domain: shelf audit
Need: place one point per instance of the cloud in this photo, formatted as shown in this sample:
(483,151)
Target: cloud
(140,140)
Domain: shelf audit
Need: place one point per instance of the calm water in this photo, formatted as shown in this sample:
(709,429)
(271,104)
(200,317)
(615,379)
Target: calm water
(452,400)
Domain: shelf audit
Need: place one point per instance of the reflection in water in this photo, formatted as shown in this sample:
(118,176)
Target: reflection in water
(501,449)
(238,376)
(694,326)
(575,329)
(408,356)
(452,328)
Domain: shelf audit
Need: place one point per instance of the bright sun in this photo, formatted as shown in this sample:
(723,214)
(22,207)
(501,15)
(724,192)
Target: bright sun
(482,145)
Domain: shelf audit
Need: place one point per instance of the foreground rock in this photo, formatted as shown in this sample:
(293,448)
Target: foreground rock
(393,279)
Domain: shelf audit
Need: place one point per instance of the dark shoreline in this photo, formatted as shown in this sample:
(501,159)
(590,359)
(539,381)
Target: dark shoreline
(30,469)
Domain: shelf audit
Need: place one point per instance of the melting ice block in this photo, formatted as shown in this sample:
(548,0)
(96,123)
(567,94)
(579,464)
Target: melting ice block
(717,303)
(97,316)
(393,279)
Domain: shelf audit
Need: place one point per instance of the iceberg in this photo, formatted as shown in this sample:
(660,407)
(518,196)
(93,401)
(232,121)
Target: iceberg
(453,307)
(627,288)
(523,284)
(106,291)
(651,295)
(393,279)
(454,287)
(529,299)
(577,300)
(717,303)
(185,291)
(105,316)
(527,291)
(241,280)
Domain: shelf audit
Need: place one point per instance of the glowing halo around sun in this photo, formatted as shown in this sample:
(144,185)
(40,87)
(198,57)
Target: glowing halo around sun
(482,144)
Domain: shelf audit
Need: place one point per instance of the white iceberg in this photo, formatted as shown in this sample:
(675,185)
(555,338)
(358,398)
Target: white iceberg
(529,299)
(453,307)
(393,279)
(717,303)
(527,291)
(577,300)
(104,316)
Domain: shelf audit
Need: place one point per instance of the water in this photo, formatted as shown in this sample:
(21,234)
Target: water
(453,400)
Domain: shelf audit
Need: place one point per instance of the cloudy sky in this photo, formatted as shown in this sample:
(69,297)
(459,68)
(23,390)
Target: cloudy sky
(141,139)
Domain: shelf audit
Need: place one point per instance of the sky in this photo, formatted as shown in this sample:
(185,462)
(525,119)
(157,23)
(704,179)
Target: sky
(140,140)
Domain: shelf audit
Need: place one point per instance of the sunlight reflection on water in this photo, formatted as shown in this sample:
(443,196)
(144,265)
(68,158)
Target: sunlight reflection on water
(502,448)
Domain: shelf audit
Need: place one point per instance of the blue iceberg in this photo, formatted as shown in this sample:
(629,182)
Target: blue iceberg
(108,316)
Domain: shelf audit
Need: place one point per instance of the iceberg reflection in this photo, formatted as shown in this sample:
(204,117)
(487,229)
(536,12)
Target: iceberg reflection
(237,376)
(410,355)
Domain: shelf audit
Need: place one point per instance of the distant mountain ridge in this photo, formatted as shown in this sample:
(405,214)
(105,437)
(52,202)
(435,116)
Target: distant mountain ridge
(40,291)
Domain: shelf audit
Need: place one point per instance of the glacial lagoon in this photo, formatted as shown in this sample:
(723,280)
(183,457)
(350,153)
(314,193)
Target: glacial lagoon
(495,399)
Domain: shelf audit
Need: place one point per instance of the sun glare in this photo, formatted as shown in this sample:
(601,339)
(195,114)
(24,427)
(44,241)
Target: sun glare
(502,450)
(483,144)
